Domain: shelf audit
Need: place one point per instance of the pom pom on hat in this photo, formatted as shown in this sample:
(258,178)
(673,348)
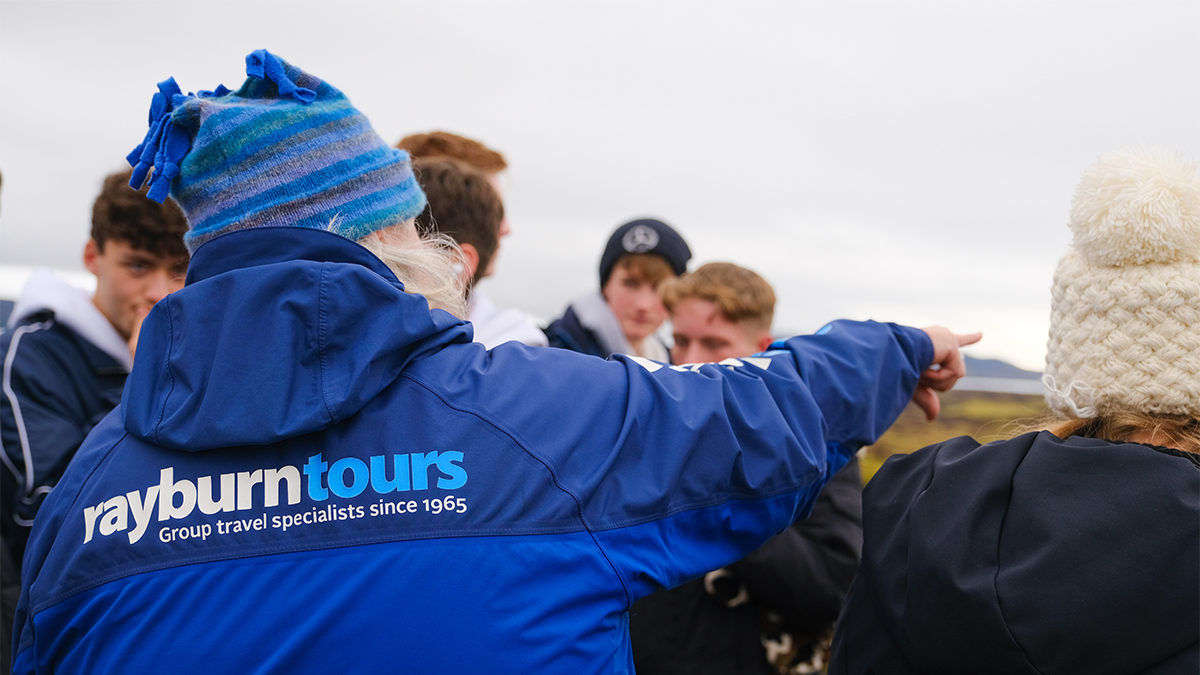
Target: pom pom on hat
(1138,207)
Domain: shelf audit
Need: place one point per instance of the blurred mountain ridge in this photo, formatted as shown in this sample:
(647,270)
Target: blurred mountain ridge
(997,368)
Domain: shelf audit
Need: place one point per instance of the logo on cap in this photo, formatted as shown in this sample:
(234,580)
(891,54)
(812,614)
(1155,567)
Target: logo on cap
(640,239)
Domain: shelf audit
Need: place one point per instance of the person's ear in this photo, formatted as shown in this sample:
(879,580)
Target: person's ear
(764,341)
(470,261)
(91,252)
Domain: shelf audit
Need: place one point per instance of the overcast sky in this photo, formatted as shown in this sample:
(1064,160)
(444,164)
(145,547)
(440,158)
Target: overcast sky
(904,161)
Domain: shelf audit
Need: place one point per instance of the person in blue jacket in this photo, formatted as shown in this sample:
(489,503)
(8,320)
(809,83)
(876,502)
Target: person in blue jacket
(314,469)
(1074,548)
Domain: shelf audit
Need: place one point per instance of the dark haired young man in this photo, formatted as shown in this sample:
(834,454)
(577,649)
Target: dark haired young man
(464,206)
(66,354)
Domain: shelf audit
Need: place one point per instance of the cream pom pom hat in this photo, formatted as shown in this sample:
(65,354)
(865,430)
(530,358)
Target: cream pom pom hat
(1125,311)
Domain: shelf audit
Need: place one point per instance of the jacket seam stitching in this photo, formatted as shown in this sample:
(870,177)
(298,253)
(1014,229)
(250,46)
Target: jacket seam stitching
(553,475)
(996,574)
(321,323)
(162,411)
(281,549)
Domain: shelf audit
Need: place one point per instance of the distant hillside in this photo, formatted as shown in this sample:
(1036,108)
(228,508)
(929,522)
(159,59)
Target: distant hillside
(997,368)
(985,416)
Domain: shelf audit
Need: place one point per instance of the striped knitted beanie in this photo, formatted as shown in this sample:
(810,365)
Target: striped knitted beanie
(287,149)
(1125,311)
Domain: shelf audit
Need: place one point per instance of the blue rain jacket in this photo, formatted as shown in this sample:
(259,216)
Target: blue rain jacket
(311,472)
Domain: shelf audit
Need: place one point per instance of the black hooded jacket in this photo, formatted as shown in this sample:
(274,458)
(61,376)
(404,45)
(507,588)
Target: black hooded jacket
(1032,555)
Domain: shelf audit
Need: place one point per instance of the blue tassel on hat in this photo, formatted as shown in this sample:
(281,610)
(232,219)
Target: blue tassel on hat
(284,150)
(266,66)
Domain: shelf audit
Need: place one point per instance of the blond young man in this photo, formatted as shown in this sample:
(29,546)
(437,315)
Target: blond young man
(718,312)
(772,611)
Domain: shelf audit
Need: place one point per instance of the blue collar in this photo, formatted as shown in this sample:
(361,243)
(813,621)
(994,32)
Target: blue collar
(270,245)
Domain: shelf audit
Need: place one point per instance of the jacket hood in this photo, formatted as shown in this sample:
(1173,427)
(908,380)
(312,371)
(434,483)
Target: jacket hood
(1032,555)
(72,306)
(245,353)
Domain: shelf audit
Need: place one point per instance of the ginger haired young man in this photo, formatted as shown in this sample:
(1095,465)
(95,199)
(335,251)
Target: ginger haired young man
(455,197)
(459,148)
(772,611)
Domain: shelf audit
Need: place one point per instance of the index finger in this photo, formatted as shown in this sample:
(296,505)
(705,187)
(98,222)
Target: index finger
(968,338)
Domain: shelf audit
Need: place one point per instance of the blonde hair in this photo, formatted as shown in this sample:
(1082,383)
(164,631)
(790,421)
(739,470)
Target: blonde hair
(741,296)
(1181,432)
(425,265)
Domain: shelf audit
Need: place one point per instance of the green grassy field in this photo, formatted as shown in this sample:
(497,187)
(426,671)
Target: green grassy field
(984,416)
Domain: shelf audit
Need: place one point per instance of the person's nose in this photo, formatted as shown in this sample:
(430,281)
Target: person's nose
(648,300)
(688,354)
(159,285)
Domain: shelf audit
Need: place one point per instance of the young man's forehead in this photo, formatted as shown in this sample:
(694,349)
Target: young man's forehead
(714,318)
(127,249)
(704,306)
(648,267)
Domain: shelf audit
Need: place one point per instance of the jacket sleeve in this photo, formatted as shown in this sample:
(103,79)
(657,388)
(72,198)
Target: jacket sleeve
(860,377)
(681,470)
(803,572)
